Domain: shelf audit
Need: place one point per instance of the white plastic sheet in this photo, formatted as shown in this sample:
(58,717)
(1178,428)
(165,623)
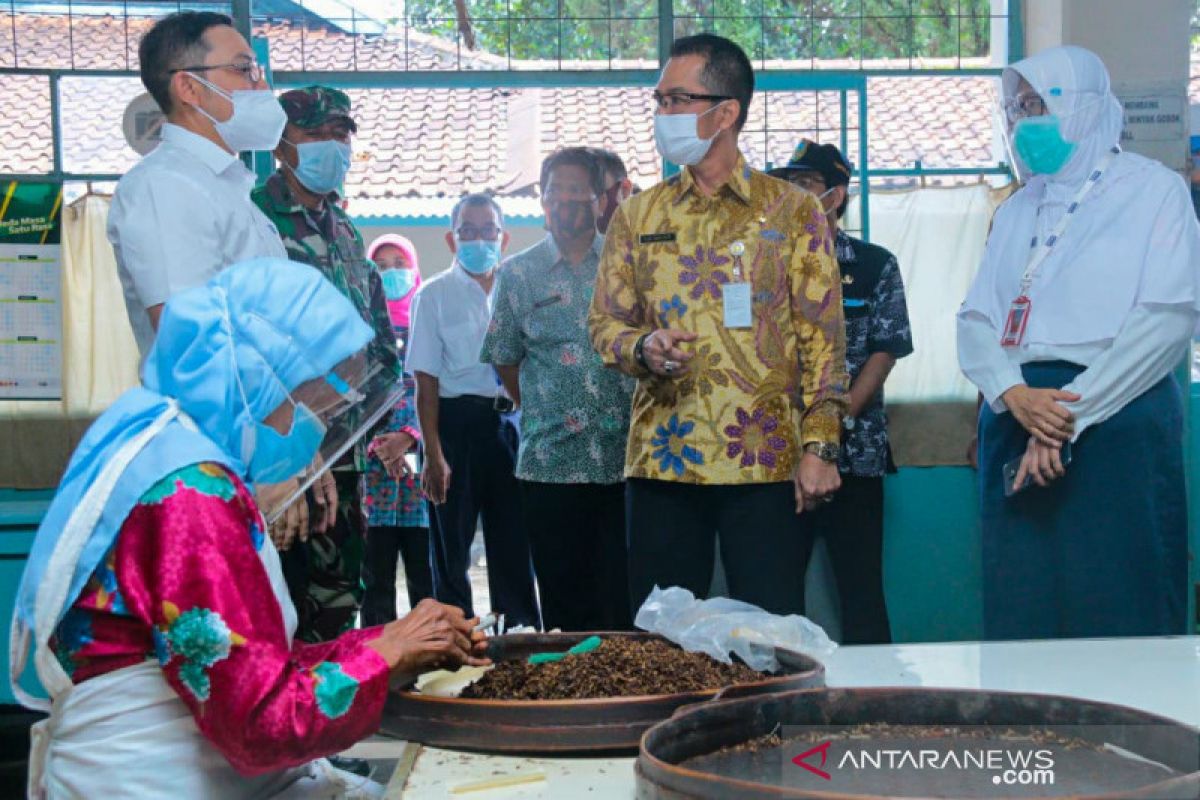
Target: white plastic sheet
(720,626)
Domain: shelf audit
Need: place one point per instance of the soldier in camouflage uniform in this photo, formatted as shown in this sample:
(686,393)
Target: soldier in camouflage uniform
(302,199)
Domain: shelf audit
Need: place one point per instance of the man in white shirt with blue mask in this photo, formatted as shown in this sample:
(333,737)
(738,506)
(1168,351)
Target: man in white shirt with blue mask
(183,213)
(469,435)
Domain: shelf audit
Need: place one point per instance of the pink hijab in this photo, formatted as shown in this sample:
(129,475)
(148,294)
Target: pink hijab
(398,309)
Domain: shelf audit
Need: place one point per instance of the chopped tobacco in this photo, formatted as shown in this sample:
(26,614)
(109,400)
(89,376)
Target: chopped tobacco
(618,668)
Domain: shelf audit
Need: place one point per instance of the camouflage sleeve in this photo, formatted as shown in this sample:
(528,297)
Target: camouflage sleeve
(384,346)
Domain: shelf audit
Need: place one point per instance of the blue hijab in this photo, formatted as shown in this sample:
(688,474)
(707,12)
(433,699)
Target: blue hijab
(255,331)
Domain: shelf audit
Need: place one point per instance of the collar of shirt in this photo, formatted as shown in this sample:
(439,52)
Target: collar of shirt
(738,183)
(212,156)
(283,200)
(556,255)
(465,279)
(844,247)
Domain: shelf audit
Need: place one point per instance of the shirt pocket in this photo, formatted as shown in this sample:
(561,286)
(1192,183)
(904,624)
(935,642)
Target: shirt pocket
(461,343)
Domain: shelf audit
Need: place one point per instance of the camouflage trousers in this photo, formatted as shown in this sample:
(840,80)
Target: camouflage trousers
(324,573)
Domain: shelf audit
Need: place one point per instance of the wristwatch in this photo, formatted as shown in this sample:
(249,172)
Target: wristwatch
(826,451)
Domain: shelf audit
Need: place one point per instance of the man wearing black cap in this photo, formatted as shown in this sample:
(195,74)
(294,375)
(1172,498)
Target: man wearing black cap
(877,333)
(302,200)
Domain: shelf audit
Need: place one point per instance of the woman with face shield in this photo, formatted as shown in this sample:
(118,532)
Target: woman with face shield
(1084,304)
(159,621)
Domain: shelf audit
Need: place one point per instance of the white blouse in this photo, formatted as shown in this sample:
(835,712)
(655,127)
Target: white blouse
(1119,295)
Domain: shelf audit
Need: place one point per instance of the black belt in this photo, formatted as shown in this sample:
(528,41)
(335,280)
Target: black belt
(499,403)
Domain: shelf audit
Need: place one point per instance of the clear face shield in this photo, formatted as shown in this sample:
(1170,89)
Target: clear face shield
(1027,104)
(318,424)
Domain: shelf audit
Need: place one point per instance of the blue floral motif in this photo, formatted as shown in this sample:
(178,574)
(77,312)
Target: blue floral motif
(773,235)
(669,448)
(162,648)
(196,680)
(73,634)
(200,636)
(256,536)
(107,579)
(675,307)
(334,689)
(75,630)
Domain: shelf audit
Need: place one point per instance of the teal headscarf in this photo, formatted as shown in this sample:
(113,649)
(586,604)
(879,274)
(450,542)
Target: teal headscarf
(268,325)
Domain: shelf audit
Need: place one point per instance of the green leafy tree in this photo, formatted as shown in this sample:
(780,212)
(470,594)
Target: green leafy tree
(599,30)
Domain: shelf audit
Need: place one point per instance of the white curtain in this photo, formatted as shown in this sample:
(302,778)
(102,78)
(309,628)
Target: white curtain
(100,356)
(937,234)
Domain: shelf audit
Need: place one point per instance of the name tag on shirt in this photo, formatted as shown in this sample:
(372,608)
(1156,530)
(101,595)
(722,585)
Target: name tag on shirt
(737,305)
(654,238)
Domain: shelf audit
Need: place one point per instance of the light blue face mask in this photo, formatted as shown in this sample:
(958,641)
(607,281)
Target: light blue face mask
(479,256)
(397,283)
(278,457)
(322,166)
(1039,143)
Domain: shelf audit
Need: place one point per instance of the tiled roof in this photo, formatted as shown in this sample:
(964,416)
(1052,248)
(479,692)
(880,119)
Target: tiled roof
(429,143)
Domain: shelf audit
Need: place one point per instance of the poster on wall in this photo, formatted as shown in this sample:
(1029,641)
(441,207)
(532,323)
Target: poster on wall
(30,290)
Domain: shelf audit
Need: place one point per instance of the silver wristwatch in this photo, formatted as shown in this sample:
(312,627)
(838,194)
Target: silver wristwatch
(826,451)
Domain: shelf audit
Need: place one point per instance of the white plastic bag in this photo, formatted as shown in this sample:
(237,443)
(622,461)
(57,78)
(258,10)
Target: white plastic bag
(721,626)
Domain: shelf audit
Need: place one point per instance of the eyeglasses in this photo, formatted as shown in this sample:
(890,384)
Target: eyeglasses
(575,192)
(674,100)
(250,70)
(808,180)
(1027,104)
(469,233)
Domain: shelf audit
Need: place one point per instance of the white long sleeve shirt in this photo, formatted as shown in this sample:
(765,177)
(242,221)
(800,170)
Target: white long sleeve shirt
(1120,295)
(180,216)
(450,316)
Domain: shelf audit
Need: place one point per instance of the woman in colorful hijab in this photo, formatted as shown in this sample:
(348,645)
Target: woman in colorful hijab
(1084,305)
(397,519)
(400,269)
(159,618)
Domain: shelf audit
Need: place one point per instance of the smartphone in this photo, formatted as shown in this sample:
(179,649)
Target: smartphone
(1011,468)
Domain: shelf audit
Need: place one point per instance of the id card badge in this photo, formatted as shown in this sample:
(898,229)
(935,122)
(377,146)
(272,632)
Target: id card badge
(737,305)
(1014,326)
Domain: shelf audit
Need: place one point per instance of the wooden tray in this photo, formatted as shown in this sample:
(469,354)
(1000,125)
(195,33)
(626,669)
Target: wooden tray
(602,725)
(687,756)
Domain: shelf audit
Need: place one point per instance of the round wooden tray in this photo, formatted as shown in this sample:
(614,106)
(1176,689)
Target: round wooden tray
(1107,751)
(602,725)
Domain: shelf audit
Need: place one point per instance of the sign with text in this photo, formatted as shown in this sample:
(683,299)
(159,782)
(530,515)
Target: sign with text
(30,291)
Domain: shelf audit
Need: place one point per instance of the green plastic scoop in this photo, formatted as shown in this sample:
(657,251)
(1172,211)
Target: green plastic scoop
(586,646)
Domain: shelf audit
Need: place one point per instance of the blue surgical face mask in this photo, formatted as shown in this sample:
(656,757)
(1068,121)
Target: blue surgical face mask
(1039,143)
(278,457)
(397,283)
(479,256)
(322,166)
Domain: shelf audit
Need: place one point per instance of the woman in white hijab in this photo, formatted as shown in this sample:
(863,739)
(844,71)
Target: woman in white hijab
(1085,302)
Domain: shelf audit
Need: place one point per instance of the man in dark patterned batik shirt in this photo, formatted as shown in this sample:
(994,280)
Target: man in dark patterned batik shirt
(877,333)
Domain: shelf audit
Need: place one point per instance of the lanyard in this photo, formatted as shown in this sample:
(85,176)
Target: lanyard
(1038,257)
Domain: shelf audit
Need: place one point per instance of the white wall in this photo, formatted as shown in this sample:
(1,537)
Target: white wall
(1145,45)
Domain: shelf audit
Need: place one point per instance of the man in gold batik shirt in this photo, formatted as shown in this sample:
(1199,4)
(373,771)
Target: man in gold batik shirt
(719,290)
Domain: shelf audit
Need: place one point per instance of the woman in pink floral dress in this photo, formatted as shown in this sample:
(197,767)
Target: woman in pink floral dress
(160,623)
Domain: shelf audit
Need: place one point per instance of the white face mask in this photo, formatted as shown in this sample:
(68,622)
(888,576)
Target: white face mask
(257,122)
(677,138)
(821,198)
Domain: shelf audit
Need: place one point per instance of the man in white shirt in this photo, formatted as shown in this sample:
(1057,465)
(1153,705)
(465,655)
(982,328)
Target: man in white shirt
(469,437)
(183,213)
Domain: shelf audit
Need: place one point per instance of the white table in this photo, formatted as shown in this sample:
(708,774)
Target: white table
(1160,675)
